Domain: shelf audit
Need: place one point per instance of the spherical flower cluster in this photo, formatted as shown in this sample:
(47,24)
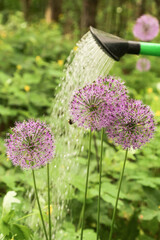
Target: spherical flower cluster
(31,144)
(143,65)
(87,106)
(146,27)
(132,125)
(116,89)
(91,106)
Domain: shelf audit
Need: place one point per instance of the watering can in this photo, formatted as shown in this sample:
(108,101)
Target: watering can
(116,47)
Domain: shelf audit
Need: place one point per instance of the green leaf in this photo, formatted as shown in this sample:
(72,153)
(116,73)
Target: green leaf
(92,192)
(39,99)
(3,77)
(111,190)
(9,180)
(158,216)
(6,111)
(4,228)
(79,183)
(110,199)
(55,73)
(89,234)
(6,218)
(31,78)
(68,233)
(145,237)
(147,182)
(149,214)
(21,232)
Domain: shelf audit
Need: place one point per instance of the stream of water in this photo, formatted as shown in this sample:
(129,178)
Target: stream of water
(83,66)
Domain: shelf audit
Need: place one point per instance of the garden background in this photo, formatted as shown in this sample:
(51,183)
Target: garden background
(36,38)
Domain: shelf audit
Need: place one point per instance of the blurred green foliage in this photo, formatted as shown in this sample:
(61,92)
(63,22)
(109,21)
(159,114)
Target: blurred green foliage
(32,59)
(31,65)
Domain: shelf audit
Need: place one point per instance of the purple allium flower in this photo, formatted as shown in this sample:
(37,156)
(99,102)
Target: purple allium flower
(143,65)
(132,125)
(31,145)
(146,27)
(91,105)
(115,88)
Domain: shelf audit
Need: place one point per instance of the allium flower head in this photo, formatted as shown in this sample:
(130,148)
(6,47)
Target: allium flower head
(132,124)
(91,105)
(31,144)
(143,65)
(146,27)
(115,88)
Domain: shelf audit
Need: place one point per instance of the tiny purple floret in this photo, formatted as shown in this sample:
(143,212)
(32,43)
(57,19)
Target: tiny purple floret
(146,27)
(31,144)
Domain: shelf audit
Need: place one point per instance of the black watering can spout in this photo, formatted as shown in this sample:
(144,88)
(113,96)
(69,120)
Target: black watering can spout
(116,47)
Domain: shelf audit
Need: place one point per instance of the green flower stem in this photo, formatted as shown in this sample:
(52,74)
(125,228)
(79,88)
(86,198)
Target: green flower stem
(119,188)
(100,173)
(37,198)
(80,218)
(49,210)
(85,197)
